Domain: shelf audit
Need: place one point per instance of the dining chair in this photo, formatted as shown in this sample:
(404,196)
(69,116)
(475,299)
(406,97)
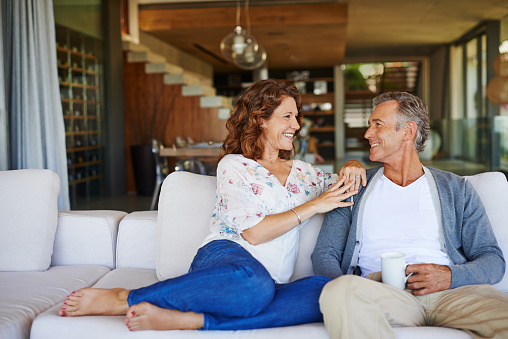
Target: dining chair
(161,170)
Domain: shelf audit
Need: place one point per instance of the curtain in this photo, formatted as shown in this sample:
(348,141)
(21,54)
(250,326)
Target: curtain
(4,156)
(35,118)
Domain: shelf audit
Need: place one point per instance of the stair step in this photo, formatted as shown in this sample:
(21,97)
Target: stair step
(215,101)
(181,79)
(224,113)
(162,67)
(145,56)
(133,47)
(198,90)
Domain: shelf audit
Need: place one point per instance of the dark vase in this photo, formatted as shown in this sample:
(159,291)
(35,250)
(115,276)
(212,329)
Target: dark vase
(143,163)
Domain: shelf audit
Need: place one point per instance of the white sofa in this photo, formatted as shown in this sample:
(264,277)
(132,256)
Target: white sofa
(46,254)
(159,245)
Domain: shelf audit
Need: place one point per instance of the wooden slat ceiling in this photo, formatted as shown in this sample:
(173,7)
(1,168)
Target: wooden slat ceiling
(293,35)
(312,33)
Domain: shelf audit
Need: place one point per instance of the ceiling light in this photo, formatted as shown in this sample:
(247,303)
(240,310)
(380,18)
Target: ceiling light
(237,43)
(253,58)
(503,47)
(241,47)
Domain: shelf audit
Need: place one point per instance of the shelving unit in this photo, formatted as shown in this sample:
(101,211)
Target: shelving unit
(320,109)
(79,64)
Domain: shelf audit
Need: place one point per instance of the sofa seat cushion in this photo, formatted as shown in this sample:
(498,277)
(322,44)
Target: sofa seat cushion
(28,206)
(24,295)
(426,332)
(50,325)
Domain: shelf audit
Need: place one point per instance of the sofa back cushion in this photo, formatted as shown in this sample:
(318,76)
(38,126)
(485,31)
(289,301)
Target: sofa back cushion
(187,201)
(186,204)
(29,216)
(136,244)
(308,237)
(185,207)
(87,238)
(492,188)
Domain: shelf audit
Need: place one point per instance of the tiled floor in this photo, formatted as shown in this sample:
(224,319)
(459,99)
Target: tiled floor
(130,203)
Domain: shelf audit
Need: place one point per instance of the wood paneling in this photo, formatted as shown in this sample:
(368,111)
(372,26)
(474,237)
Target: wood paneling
(293,35)
(271,15)
(156,110)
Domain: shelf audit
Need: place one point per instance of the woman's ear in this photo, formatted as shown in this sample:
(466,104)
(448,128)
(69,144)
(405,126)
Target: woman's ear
(262,123)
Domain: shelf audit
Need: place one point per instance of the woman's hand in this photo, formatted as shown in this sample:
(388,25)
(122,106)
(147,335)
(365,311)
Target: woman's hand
(354,172)
(334,197)
(274,225)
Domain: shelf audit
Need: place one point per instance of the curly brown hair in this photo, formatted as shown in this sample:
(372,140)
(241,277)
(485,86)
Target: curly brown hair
(254,105)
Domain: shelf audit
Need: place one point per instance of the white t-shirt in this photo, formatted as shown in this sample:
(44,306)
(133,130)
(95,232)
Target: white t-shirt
(402,219)
(247,192)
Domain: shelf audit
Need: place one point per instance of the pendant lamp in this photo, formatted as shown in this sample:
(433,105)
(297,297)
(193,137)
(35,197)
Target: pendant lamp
(240,47)
(497,89)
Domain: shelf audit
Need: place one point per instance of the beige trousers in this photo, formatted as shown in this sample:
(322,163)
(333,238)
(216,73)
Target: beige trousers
(355,307)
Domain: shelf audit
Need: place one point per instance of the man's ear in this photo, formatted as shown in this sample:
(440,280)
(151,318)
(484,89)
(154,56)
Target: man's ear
(410,130)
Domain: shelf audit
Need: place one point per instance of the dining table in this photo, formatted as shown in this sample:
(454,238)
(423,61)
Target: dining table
(187,152)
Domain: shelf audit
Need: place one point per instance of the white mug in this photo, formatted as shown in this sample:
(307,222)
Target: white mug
(393,269)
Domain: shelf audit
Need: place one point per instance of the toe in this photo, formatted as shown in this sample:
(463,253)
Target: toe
(131,313)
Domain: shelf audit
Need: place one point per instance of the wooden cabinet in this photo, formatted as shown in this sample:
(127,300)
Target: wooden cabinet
(79,64)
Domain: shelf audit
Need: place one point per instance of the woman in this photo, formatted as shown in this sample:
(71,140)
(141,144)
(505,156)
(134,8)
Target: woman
(239,277)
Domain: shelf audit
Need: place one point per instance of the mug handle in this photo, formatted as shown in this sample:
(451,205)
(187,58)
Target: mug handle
(410,274)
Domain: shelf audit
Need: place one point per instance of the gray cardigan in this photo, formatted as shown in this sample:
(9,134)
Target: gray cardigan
(465,232)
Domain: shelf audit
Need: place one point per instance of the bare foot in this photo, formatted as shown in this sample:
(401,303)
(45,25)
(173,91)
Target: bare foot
(95,301)
(145,316)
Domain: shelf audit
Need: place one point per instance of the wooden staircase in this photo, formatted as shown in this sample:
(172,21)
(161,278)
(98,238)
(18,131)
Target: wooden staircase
(192,83)
(162,100)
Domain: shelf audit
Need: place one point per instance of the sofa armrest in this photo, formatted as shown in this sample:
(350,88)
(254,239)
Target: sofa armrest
(86,238)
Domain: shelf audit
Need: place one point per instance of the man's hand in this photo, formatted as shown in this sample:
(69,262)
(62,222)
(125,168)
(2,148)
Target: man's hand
(428,278)
(354,171)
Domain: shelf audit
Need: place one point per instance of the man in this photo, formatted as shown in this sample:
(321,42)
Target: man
(436,218)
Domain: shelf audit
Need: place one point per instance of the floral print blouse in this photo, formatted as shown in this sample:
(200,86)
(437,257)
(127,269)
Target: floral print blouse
(247,192)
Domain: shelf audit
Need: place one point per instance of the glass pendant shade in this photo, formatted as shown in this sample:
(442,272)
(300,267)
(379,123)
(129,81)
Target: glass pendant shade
(501,65)
(242,49)
(235,43)
(497,90)
(253,58)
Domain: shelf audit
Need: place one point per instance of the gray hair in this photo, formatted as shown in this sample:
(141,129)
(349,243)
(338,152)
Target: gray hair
(410,108)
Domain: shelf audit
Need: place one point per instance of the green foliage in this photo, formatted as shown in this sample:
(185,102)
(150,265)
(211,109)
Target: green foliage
(354,78)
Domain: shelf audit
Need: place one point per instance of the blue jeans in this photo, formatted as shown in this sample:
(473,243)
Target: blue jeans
(235,292)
